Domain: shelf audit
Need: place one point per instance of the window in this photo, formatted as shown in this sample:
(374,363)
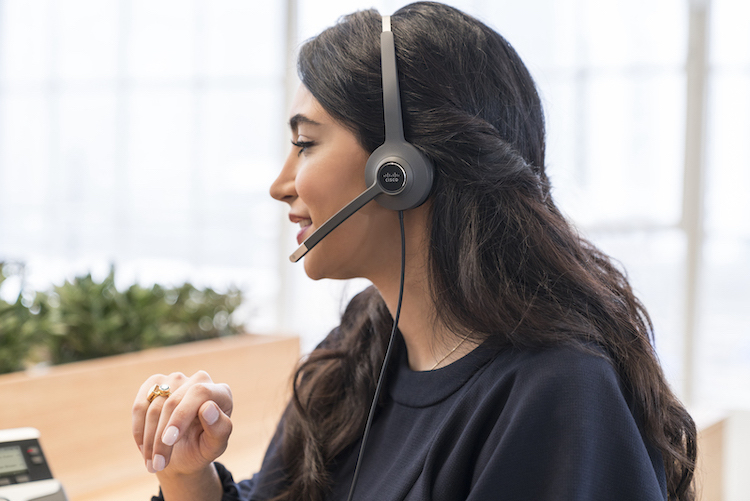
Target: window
(143,134)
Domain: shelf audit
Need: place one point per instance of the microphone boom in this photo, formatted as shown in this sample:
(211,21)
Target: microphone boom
(342,215)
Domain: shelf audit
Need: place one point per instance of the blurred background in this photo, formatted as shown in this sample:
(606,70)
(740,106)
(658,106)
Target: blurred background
(144,135)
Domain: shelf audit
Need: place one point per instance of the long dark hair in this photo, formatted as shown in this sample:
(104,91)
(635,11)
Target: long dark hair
(505,265)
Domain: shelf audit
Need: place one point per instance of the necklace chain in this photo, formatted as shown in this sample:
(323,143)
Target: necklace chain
(450,352)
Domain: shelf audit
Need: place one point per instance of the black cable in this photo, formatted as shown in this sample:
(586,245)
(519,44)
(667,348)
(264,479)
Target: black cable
(386,358)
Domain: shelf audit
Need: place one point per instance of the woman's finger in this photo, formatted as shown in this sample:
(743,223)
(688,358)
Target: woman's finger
(217,426)
(147,414)
(141,405)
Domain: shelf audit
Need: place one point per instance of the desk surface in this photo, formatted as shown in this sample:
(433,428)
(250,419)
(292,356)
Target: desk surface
(83,410)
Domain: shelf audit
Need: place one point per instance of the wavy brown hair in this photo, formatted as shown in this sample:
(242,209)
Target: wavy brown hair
(505,265)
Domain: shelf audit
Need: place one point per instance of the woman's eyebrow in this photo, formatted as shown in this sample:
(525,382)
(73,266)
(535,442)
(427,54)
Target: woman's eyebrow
(298,119)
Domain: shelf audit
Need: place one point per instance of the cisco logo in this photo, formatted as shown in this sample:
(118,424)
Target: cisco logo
(392,177)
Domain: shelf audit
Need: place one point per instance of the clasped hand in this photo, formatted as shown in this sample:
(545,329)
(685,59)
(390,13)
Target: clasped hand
(184,432)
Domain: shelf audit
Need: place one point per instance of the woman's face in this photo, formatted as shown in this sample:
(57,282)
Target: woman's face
(323,172)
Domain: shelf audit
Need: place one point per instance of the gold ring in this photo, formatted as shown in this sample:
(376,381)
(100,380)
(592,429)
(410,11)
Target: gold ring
(160,390)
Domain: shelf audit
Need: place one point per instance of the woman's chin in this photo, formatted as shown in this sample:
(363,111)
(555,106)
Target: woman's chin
(321,265)
(313,274)
(314,268)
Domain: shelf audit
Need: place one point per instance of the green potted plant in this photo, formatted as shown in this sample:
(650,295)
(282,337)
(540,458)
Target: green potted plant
(84,318)
(18,329)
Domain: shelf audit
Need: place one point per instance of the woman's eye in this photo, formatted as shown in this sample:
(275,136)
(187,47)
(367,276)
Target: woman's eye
(302,145)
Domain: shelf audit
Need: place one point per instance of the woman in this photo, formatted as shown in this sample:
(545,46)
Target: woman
(523,367)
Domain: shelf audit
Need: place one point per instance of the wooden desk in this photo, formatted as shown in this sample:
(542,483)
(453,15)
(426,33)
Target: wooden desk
(83,410)
(724,458)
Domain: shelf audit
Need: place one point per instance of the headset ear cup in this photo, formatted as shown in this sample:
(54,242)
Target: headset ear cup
(418,172)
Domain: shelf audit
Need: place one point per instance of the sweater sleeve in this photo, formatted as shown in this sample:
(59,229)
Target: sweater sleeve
(232,491)
(567,432)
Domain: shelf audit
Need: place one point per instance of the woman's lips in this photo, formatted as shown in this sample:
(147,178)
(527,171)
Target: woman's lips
(304,224)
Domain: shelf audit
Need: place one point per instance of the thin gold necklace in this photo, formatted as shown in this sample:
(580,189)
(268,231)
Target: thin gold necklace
(449,353)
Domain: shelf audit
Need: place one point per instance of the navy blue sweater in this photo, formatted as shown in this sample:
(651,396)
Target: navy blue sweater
(551,424)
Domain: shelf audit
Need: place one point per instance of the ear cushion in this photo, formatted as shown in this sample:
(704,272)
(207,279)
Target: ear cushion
(416,167)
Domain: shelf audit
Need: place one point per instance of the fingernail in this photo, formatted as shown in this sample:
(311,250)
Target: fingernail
(150,466)
(159,462)
(170,436)
(211,414)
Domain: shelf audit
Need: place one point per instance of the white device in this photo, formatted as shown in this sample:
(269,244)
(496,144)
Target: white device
(24,472)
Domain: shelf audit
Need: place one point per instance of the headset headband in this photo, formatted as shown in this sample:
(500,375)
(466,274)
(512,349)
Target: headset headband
(394,126)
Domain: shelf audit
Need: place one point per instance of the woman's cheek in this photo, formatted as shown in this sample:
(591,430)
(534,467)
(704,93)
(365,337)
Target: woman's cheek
(320,191)
(305,185)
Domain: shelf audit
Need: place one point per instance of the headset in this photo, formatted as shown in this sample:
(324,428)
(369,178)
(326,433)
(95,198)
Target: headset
(399,176)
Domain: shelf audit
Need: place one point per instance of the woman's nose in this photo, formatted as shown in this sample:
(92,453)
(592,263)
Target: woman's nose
(283,188)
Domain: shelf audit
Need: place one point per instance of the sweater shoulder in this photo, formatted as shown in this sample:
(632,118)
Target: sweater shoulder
(554,376)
